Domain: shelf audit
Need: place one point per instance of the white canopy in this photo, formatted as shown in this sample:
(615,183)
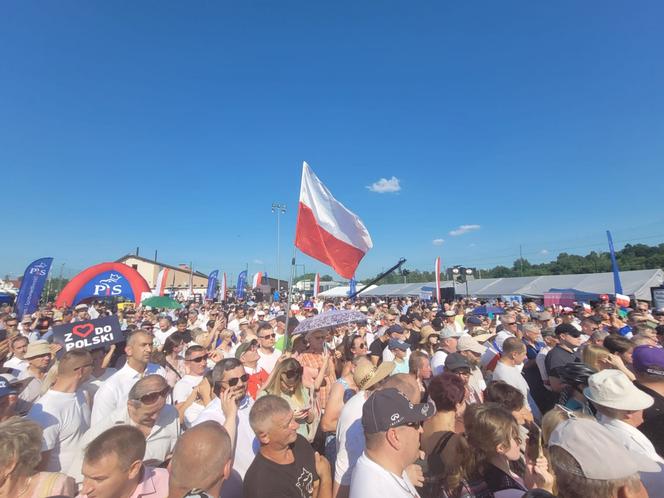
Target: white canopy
(635,283)
(344,290)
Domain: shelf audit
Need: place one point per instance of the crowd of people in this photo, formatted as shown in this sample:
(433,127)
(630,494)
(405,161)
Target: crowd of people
(416,399)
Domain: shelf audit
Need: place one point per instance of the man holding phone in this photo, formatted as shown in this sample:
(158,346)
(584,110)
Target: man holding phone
(230,408)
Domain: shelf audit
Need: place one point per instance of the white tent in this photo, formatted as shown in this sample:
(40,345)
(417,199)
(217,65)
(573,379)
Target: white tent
(635,284)
(344,290)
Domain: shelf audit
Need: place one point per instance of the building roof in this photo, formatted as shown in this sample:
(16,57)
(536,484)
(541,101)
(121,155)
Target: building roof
(635,283)
(164,265)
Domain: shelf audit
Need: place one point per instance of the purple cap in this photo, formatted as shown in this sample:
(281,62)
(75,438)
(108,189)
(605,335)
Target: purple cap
(648,360)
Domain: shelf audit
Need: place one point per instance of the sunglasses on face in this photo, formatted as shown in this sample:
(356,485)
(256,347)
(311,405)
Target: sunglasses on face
(576,335)
(150,398)
(233,381)
(87,365)
(198,359)
(294,373)
(413,425)
(269,336)
(361,346)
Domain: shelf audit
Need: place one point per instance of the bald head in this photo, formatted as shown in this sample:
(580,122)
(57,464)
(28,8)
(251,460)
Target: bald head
(200,459)
(405,383)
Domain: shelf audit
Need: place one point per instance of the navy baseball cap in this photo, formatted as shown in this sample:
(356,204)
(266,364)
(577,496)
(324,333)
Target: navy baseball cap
(6,388)
(389,408)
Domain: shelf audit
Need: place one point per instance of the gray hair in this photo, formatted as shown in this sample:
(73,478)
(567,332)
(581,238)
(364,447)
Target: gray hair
(145,386)
(20,440)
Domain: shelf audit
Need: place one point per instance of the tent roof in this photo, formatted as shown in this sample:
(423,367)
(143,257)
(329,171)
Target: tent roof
(343,291)
(635,283)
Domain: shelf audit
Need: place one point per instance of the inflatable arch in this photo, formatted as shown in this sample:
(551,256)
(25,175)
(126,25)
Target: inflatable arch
(103,280)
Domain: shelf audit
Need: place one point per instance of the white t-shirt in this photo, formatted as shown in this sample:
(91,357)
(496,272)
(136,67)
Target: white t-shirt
(268,361)
(247,445)
(370,479)
(181,392)
(512,376)
(438,362)
(160,337)
(65,417)
(114,392)
(350,438)
(17,365)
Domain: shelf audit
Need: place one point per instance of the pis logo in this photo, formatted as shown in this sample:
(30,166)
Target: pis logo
(108,286)
(39,269)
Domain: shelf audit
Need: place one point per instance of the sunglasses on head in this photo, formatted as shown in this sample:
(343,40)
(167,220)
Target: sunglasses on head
(150,398)
(233,381)
(294,373)
(198,359)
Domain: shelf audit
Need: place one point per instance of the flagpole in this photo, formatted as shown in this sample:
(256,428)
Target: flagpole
(290,299)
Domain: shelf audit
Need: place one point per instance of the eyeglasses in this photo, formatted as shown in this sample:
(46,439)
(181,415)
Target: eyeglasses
(198,359)
(269,336)
(294,373)
(233,381)
(151,398)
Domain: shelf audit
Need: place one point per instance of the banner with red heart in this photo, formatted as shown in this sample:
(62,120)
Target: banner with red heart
(83,330)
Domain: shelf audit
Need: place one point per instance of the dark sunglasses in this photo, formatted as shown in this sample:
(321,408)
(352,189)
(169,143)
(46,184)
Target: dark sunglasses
(575,334)
(233,382)
(294,373)
(269,336)
(361,346)
(412,425)
(150,398)
(198,359)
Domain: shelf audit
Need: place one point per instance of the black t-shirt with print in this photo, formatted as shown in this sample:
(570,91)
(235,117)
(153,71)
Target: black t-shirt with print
(296,480)
(377,347)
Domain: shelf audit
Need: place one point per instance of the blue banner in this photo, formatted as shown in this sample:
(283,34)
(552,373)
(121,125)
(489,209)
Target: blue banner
(353,287)
(213,277)
(241,281)
(617,286)
(32,285)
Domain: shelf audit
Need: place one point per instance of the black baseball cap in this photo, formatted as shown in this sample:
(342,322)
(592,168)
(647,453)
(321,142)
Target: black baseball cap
(389,408)
(455,361)
(569,329)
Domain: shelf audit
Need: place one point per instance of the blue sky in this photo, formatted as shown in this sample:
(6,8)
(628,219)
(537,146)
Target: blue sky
(175,125)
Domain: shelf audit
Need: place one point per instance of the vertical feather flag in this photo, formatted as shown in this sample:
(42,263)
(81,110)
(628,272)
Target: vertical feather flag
(316,284)
(222,290)
(162,279)
(437,271)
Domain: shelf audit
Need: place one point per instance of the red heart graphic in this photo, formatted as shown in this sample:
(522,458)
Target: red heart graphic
(83,330)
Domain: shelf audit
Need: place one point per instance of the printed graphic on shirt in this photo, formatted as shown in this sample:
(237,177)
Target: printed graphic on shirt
(305,483)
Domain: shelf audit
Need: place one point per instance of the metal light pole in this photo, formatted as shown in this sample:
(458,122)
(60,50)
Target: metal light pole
(279,209)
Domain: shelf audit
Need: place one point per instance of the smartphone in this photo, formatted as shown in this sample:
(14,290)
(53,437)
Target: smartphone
(534,443)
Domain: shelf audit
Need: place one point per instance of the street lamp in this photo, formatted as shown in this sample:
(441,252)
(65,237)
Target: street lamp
(279,209)
(461,274)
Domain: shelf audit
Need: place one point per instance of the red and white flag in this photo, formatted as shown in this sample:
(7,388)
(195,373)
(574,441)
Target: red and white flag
(316,284)
(326,230)
(222,290)
(258,278)
(162,278)
(437,270)
(622,300)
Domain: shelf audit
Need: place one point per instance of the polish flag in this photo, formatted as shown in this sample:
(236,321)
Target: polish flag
(326,230)
(316,284)
(258,277)
(622,300)
(437,270)
(162,278)
(222,290)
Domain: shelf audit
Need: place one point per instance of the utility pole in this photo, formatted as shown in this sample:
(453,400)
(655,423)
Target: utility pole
(278,208)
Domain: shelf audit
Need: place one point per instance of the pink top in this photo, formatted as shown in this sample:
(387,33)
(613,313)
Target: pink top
(154,484)
(45,484)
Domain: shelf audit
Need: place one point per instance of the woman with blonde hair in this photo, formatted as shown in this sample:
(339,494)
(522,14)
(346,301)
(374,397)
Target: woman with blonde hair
(600,358)
(286,382)
(20,455)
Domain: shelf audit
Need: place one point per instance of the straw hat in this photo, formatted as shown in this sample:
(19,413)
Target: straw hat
(366,375)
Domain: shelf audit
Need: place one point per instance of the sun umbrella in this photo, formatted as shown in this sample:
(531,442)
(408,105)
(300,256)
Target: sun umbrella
(161,302)
(488,310)
(332,318)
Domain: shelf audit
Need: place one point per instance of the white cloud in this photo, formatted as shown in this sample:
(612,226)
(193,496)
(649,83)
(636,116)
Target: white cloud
(258,262)
(544,252)
(438,242)
(464,229)
(385,186)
